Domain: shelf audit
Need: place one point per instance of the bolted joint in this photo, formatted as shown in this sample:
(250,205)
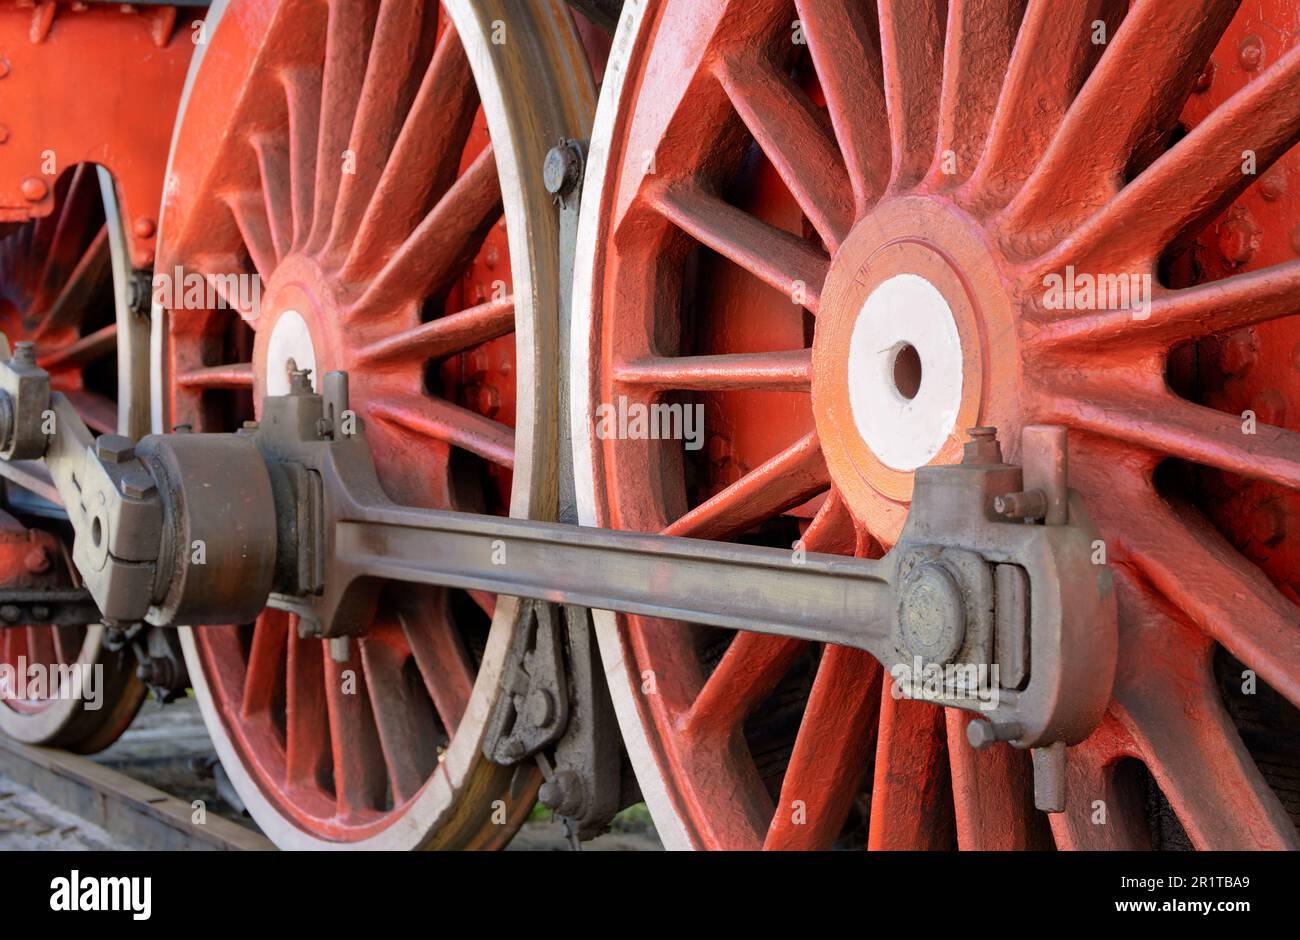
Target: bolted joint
(1029,504)
(562,170)
(981,733)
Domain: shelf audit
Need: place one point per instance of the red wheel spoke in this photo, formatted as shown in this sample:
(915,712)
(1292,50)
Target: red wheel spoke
(1153,60)
(40,649)
(403,717)
(832,529)
(845,45)
(424,160)
(993,793)
(830,753)
(792,477)
(775,371)
(1182,316)
(99,413)
(911,793)
(440,656)
(1052,56)
(1103,811)
(273,162)
(1179,428)
(347,44)
(443,243)
(360,774)
(84,351)
(746,675)
(1196,178)
(249,210)
(911,49)
(452,424)
(445,336)
(1187,740)
(267,658)
(977,49)
(793,135)
(777,258)
(235,375)
(403,42)
(88,279)
(302,90)
(1218,589)
(307,732)
(68,642)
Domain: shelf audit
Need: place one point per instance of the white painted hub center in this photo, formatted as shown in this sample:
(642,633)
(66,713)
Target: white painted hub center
(905,371)
(290,339)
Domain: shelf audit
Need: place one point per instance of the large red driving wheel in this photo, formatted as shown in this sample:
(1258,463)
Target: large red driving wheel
(374,168)
(64,286)
(851,231)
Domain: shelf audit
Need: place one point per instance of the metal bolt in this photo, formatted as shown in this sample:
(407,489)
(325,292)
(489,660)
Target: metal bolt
(10,613)
(114,448)
(25,353)
(562,793)
(562,169)
(182,428)
(33,188)
(299,379)
(1029,504)
(40,613)
(137,490)
(983,447)
(981,734)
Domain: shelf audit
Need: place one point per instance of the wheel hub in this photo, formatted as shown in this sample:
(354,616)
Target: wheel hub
(910,350)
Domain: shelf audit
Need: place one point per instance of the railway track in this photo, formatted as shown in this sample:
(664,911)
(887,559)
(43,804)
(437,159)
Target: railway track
(133,813)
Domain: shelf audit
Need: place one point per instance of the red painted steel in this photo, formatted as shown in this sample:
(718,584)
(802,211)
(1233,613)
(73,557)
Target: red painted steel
(90,84)
(773,164)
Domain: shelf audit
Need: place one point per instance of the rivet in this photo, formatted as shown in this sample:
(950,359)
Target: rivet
(1250,53)
(144,227)
(33,188)
(1238,353)
(1273,184)
(1238,240)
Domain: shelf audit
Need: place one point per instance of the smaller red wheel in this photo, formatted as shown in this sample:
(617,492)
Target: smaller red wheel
(64,286)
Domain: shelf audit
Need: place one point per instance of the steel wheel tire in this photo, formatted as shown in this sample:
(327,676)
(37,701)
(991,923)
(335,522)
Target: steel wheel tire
(722,181)
(76,260)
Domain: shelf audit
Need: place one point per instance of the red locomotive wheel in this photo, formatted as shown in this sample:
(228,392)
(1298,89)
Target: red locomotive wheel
(64,285)
(850,231)
(369,174)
